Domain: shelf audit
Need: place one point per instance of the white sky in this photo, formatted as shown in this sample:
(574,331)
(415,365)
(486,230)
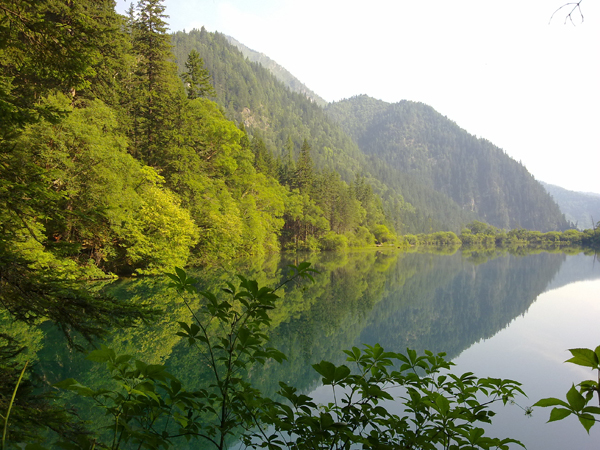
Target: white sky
(499,69)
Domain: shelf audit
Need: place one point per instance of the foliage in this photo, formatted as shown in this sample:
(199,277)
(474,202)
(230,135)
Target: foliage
(481,234)
(147,408)
(440,409)
(48,46)
(196,78)
(107,166)
(332,241)
(241,342)
(580,208)
(161,233)
(578,398)
(32,295)
(431,159)
(284,121)
(151,409)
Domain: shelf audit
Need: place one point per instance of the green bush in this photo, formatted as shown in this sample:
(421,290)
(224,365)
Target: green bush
(333,241)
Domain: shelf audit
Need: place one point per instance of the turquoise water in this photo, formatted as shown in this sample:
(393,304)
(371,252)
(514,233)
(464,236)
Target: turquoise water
(495,314)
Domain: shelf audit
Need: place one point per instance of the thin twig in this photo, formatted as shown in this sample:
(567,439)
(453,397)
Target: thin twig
(576,6)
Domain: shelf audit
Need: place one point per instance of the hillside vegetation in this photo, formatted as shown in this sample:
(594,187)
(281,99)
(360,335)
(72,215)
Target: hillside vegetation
(418,141)
(430,174)
(580,208)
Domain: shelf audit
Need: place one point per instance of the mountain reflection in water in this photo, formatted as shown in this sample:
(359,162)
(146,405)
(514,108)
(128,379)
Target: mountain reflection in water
(466,304)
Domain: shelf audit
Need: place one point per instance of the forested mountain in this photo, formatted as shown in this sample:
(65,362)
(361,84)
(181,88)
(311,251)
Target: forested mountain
(282,119)
(418,141)
(279,71)
(430,174)
(580,208)
(114,162)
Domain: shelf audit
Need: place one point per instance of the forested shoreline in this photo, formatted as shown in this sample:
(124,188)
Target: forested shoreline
(133,168)
(114,162)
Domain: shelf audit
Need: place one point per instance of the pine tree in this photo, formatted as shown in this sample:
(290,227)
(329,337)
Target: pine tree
(196,78)
(304,176)
(156,91)
(287,169)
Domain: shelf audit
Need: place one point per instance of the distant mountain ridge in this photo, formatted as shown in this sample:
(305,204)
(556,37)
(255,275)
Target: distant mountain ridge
(279,71)
(442,179)
(416,140)
(580,208)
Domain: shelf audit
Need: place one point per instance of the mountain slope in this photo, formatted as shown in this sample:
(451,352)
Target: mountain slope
(418,141)
(280,72)
(430,174)
(251,95)
(581,208)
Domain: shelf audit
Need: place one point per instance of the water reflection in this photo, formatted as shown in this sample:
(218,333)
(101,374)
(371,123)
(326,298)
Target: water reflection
(417,300)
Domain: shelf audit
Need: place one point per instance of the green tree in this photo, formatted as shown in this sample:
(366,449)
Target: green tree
(156,94)
(196,78)
(263,159)
(304,175)
(288,166)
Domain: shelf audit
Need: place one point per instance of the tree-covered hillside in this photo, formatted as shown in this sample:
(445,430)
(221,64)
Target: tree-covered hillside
(416,140)
(430,174)
(279,71)
(251,95)
(580,208)
(115,162)
(282,119)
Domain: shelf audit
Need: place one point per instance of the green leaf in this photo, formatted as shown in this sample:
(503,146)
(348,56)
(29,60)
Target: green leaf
(587,420)
(597,352)
(326,369)
(173,277)
(443,404)
(122,359)
(592,410)
(341,372)
(584,357)
(103,354)
(558,414)
(66,384)
(181,274)
(550,402)
(35,447)
(575,399)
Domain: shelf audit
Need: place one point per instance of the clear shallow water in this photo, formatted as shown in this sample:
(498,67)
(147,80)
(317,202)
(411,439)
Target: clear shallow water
(532,348)
(501,315)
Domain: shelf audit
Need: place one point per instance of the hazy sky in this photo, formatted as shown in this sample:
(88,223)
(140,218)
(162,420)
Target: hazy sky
(498,69)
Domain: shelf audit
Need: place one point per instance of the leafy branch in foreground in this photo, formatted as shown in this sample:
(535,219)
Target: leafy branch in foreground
(578,400)
(438,409)
(149,408)
(231,336)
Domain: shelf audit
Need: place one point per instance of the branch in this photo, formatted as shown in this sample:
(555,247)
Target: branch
(575,7)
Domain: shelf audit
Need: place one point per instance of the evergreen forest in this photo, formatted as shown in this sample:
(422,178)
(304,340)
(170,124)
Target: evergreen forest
(149,150)
(127,151)
(580,208)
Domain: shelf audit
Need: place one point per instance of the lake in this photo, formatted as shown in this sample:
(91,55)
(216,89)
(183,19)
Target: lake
(494,313)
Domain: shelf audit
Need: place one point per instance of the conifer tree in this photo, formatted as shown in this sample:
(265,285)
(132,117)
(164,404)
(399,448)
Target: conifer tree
(196,78)
(156,99)
(304,169)
(288,167)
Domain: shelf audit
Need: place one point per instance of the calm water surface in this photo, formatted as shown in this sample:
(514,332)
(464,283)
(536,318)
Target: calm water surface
(495,314)
(528,311)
